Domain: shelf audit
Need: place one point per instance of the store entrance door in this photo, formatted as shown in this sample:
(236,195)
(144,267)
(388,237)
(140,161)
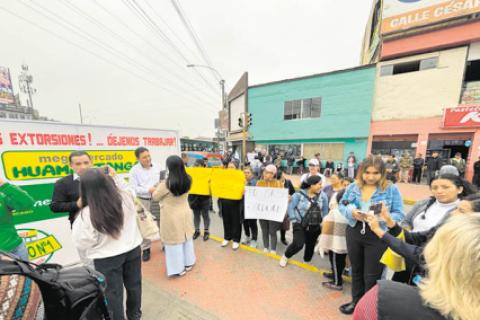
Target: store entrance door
(449,144)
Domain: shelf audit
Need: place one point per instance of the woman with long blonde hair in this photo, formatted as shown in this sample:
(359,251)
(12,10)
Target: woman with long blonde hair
(450,291)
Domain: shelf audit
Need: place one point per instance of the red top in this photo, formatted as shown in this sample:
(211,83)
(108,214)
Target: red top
(366,308)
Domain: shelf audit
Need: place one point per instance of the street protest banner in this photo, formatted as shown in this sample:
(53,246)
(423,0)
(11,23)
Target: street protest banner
(200,180)
(34,155)
(266,203)
(227,183)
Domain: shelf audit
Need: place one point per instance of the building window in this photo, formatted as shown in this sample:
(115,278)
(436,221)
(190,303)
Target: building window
(411,66)
(473,71)
(406,67)
(292,109)
(430,63)
(285,150)
(302,109)
(3,115)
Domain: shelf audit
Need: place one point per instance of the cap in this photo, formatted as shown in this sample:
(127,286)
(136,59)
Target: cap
(271,168)
(314,162)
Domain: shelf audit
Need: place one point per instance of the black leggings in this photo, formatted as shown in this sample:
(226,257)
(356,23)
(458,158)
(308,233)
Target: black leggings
(337,262)
(251,228)
(365,252)
(303,237)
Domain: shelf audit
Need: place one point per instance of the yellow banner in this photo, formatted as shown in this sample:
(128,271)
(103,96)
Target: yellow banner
(32,165)
(227,184)
(42,247)
(200,180)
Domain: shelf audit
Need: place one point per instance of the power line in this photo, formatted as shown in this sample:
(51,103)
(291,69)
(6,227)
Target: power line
(116,65)
(169,27)
(101,44)
(140,12)
(85,15)
(193,35)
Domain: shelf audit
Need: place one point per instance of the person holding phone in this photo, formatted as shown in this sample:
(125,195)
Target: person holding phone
(364,248)
(106,233)
(144,178)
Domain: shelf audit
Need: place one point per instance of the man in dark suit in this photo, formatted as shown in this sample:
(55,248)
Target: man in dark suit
(66,193)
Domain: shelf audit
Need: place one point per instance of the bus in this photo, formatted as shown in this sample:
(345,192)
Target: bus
(201,149)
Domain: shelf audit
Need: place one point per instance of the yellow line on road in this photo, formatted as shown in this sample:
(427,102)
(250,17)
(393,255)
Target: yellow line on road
(302,265)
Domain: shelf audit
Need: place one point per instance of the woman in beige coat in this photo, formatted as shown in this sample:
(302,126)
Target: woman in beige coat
(176,229)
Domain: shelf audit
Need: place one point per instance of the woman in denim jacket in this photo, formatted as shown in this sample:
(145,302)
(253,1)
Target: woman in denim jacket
(364,248)
(311,190)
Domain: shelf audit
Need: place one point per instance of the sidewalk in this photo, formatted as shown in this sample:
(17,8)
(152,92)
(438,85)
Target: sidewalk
(227,284)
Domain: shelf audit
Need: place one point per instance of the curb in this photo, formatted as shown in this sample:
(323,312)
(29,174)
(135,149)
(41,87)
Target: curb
(409,202)
(299,264)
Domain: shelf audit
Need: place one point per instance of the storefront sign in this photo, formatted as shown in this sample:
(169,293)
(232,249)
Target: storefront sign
(405,14)
(6,89)
(465,116)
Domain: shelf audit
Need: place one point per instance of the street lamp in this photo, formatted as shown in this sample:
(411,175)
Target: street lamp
(222,82)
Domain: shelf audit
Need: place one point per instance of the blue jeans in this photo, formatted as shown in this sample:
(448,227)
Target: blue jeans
(21,251)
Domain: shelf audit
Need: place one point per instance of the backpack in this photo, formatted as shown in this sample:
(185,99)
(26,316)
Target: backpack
(67,293)
(313,216)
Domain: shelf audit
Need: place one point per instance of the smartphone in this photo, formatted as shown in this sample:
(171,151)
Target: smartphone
(163,175)
(364,214)
(376,208)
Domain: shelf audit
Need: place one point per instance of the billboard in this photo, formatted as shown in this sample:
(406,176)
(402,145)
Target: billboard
(466,116)
(6,89)
(33,155)
(401,15)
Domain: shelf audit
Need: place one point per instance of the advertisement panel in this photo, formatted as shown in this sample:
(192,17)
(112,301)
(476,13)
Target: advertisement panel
(401,15)
(6,89)
(464,116)
(35,154)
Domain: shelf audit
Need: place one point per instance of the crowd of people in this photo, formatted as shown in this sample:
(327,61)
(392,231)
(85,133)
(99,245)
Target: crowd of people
(435,245)
(408,169)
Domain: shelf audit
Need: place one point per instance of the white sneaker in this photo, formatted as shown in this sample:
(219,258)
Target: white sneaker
(253,244)
(265,250)
(235,245)
(225,243)
(283,261)
(273,252)
(246,240)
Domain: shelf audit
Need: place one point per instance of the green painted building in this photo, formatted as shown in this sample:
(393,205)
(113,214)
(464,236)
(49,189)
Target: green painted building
(328,113)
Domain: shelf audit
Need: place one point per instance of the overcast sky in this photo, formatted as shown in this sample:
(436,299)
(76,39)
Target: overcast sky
(132,72)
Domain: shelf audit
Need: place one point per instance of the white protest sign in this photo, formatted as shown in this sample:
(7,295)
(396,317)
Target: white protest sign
(266,203)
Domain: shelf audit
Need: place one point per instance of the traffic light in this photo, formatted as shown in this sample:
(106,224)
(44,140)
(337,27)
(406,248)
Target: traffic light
(240,122)
(249,119)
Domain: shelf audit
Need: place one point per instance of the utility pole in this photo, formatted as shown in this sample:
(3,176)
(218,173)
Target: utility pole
(222,84)
(245,121)
(81,116)
(26,80)
(244,139)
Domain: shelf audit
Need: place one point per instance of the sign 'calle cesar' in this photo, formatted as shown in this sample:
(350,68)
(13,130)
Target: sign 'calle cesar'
(463,116)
